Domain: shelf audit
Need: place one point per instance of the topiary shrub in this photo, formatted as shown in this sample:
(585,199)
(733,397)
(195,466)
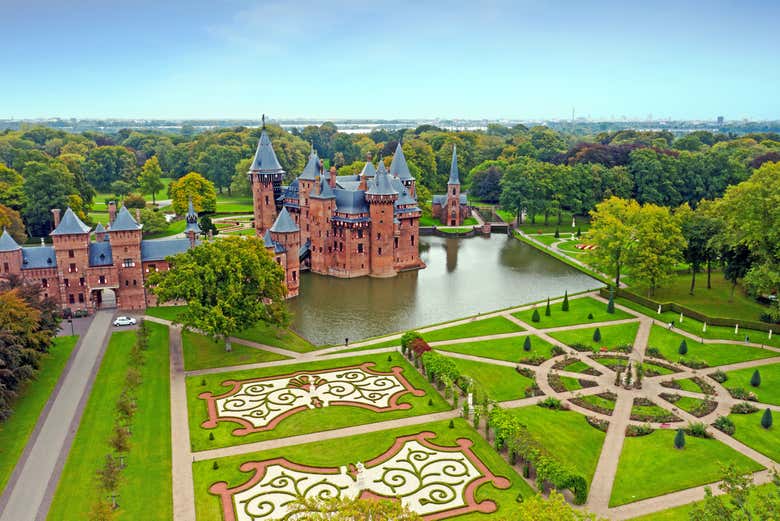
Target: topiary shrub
(552,403)
(654,352)
(724,424)
(527,344)
(557,233)
(579,232)
(452,424)
(535,317)
(755,380)
(611,304)
(211,436)
(565,305)
(679,439)
(547,309)
(590,316)
(766,419)
(215,466)
(683,349)
(597,335)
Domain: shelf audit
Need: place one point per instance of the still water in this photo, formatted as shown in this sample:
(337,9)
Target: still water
(464,277)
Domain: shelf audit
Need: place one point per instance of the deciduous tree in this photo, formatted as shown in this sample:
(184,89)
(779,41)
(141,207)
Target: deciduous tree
(193,186)
(149,178)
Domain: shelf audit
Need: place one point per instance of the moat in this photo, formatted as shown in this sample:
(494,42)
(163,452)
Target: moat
(464,277)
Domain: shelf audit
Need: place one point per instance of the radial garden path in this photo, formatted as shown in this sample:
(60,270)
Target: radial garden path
(607,467)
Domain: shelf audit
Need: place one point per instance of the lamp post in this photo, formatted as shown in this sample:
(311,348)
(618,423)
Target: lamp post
(70,321)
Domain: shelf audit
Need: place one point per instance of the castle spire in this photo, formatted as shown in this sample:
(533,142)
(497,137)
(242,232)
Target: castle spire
(454,177)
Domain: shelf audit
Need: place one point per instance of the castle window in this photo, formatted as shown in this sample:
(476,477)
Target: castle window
(72,268)
(295,275)
(81,298)
(128,263)
(380,251)
(395,242)
(453,191)
(266,200)
(102,279)
(71,299)
(127,283)
(360,234)
(71,254)
(135,282)
(67,283)
(412,240)
(82,282)
(6,267)
(378,236)
(44,283)
(151,268)
(360,248)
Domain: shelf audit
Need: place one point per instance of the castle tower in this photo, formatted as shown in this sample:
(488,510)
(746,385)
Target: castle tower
(453,216)
(400,169)
(285,232)
(265,177)
(322,205)
(192,230)
(306,186)
(71,247)
(125,238)
(381,197)
(367,175)
(10,255)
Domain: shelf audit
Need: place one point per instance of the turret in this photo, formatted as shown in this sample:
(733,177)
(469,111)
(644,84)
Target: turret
(265,177)
(71,247)
(381,197)
(10,255)
(400,169)
(453,215)
(192,230)
(285,232)
(125,238)
(321,207)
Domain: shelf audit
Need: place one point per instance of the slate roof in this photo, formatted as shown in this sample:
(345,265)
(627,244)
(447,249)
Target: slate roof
(70,224)
(100,254)
(454,177)
(7,243)
(265,158)
(349,185)
(192,219)
(325,192)
(100,228)
(158,249)
(382,184)
(399,168)
(38,257)
(270,243)
(405,198)
(124,222)
(312,168)
(351,201)
(368,170)
(442,199)
(284,223)
(290,192)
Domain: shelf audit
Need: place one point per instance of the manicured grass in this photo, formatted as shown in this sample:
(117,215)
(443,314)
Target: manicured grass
(571,384)
(570,247)
(362,448)
(650,465)
(652,413)
(509,349)
(146,486)
(657,368)
(100,197)
(577,367)
(751,433)
(488,326)
(579,309)
(668,343)
(460,229)
(715,302)
(311,420)
(174,227)
(611,336)
(565,434)
(201,352)
(262,333)
(687,384)
(612,362)
(500,382)
(688,404)
(767,392)
(682,513)
(695,327)
(600,401)
(27,407)
(228,204)
(243,231)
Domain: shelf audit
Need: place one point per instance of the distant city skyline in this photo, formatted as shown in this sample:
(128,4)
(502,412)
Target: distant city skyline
(496,59)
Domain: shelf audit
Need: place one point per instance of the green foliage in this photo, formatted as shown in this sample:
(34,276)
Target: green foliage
(409,337)
(741,499)
(597,335)
(527,344)
(134,201)
(683,349)
(679,439)
(149,179)
(452,424)
(724,424)
(153,221)
(565,305)
(766,418)
(438,366)
(535,317)
(755,380)
(193,186)
(611,304)
(547,309)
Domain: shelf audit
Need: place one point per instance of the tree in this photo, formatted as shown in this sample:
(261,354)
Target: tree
(565,305)
(658,246)
(350,509)
(239,186)
(11,221)
(11,188)
(109,474)
(195,186)
(611,303)
(741,499)
(736,263)
(120,439)
(107,164)
(766,418)
(597,335)
(149,178)
(547,309)
(527,344)
(554,508)
(102,510)
(229,286)
(683,349)
(154,222)
(679,439)
(486,181)
(218,163)
(612,231)
(134,201)
(46,186)
(755,380)
(207,226)
(698,229)
(535,316)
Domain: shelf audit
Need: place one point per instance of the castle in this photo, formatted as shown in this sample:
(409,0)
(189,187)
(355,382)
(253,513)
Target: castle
(451,208)
(342,226)
(86,269)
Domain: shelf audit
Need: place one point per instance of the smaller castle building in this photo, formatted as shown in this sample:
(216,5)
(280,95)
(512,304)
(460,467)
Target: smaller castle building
(451,208)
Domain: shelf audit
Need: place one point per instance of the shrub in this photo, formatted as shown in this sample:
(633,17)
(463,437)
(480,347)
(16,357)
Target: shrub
(551,403)
(679,439)
(527,344)
(535,317)
(693,363)
(389,358)
(697,430)
(654,352)
(565,305)
(611,304)
(724,424)
(211,436)
(743,408)
(766,419)
(557,351)
(547,309)
(639,430)
(597,335)
(215,466)
(134,201)
(741,394)
(420,346)
(755,380)
(430,401)
(683,349)
(719,376)
(579,232)
(623,348)
(557,233)
(452,424)
(590,316)
(408,337)
(579,346)
(598,423)
(528,373)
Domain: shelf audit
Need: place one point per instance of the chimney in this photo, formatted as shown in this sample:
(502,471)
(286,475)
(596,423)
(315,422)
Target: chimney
(191,237)
(333,177)
(56,213)
(111,212)
(138,215)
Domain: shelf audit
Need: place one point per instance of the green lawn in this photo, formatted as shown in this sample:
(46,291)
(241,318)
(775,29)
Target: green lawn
(565,434)
(600,401)
(429,220)
(501,383)
(668,343)
(16,430)
(650,466)
(362,448)
(228,204)
(201,352)
(751,433)
(611,336)
(657,368)
(577,367)
(311,420)
(695,327)
(767,392)
(174,227)
(262,334)
(509,349)
(146,485)
(571,384)
(100,197)
(487,326)
(579,309)
(687,384)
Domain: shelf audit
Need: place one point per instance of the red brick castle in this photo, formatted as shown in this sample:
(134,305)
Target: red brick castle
(343,226)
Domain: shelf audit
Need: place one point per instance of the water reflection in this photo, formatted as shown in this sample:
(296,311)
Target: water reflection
(463,277)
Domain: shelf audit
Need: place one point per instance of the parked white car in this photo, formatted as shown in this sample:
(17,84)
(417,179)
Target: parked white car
(124,321)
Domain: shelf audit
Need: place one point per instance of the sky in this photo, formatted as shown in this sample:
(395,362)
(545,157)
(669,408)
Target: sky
(494,59)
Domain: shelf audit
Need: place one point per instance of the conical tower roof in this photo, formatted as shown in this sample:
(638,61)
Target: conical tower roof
(399,168)
(124,222)
(382,184)
(7,243)
(70,224)
(368,170)
(454,177)
(192,219)
(312,168)
(284,223)
(265,161)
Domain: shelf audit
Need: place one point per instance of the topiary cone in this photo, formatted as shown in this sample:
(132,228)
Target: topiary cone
(679,439)
(535,317)
(683,349)
(527,344)
(766,419)
(755,380)
(565,305)
(597,335)
(547,309)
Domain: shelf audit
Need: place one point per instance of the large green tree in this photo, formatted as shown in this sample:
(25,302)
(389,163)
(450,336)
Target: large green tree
(193,186)
(699,229)
(149,178)
(229,285)
(658,247)
(218,163)
(108,164)
(46,186)
(11,188)
(612,231)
